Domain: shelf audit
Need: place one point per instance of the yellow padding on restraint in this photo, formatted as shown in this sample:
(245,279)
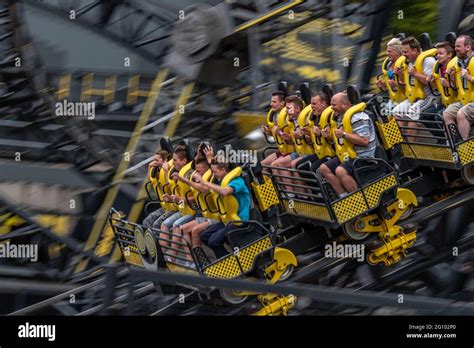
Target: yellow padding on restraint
(448,94)
(162,188)
(301,146)
(282,122)
(229,202)
(396,94)
(345,149)
(209,205)
(414,89)
(465,93)
(181,189)
(320,145)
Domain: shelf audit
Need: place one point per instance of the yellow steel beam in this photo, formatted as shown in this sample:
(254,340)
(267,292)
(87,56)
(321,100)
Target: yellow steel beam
(268,15)
(64,87)
(182,100)
(101,217)
(108,92)
(141,197)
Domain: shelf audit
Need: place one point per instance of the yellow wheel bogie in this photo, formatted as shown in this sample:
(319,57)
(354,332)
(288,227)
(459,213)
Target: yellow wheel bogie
(284,262)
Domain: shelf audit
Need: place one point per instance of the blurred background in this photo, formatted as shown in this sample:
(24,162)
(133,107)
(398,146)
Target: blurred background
(200,70)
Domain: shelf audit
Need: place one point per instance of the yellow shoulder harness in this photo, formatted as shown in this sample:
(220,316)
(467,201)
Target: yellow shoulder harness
(345,149)
(209,205)
(448,94)
(162,188)
(321,146)
(301,146)
(397,94)
(282,122)
(229,202)
(182,189)
(416,90)
(465,95)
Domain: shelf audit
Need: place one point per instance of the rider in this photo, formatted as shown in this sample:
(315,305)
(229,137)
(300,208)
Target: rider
(338,174)
(463,116)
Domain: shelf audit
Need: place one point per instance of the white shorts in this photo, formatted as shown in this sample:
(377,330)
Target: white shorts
(407,110)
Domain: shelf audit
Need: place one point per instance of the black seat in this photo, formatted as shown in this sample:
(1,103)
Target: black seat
(189,149)
(353,94)
(367,170)
(450,37)
(329,90)
(165,144)
(401,36)
(305,92)
(425,41)
(283,87)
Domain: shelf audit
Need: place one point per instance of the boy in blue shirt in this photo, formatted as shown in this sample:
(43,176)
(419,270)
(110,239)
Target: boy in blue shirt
(216,235)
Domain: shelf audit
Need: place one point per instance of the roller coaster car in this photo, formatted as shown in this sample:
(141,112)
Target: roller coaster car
(443,150)
(251,245)
(375,207)
(141,247)
(436,145)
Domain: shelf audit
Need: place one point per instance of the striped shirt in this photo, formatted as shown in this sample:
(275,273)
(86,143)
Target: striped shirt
(363,126)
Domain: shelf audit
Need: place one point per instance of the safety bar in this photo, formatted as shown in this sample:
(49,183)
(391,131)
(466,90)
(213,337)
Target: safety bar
(316,185)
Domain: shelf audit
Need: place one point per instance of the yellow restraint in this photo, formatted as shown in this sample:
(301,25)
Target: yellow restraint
(162,188)
(321,147)
(208,201)
(448,94)
(301,146)
(282,122)
(181,189)
(397,94)
(229,203)
(153,180)
(270,122)
(465,95)
(414,91)
(345,149)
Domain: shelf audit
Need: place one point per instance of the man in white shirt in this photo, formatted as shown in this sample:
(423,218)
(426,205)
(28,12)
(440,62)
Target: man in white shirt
(406,112)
